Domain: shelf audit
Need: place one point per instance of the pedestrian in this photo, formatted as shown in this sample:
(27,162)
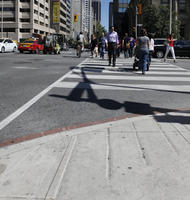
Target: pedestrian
(131,47)
(170,47)
(126,45)
(143,50)
(111,44)
(118,48)
(151,49)
(94,46)
(102,45)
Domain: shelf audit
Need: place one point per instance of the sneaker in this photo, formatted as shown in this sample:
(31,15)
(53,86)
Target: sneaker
(109,64)
(143,73)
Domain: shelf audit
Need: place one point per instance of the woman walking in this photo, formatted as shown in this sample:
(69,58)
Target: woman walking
(151,50)
(143,49)
(170,47)
(94,46)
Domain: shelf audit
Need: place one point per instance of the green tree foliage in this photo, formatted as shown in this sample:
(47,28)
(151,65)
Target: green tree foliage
(99,30)
(156,20)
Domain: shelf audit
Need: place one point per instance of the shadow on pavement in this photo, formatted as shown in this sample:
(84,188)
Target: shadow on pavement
(110,104)
(167,118)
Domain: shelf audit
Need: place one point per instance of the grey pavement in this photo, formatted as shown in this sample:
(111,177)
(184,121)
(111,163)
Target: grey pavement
(139,158)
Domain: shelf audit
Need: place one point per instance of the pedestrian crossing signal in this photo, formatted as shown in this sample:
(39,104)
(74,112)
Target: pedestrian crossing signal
(139,9)
(75,18)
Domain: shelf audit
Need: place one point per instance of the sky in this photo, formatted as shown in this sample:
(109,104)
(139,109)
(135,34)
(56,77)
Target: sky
(105,13)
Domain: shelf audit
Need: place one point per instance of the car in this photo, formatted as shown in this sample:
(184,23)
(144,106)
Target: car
(181,48)
(159,47)
(7,45)
(31,45)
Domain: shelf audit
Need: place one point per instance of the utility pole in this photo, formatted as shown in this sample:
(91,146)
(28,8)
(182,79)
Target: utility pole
(136,23)
(2,19)
(170,16)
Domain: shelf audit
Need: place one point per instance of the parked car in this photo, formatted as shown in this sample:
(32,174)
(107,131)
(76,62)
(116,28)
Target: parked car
(32,46)
(7,45)
(159,47)
(181,47)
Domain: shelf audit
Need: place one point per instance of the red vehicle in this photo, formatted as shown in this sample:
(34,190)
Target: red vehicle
(33,46)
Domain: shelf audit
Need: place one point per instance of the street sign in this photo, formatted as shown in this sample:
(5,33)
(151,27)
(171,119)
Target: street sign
(75,18)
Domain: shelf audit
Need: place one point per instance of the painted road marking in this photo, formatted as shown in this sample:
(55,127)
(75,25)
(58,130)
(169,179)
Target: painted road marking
(23,108)
(137,77)
(111,86)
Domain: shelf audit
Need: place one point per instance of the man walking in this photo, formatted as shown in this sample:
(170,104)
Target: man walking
(111,43)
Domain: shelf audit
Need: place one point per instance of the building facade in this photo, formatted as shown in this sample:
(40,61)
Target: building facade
(21,18)
(96,5)
(120,16)
(82,18)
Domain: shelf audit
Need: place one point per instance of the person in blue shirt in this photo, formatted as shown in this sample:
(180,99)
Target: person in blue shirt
(102,45)
(111,44)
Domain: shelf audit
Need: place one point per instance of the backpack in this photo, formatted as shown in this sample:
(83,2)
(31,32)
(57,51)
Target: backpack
(78,38)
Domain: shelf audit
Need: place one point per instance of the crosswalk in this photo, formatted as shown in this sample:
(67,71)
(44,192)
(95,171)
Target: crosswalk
(95,74)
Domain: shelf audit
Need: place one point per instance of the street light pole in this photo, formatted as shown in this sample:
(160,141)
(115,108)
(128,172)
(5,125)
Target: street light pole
(2,19)
(136,28)
(170,16)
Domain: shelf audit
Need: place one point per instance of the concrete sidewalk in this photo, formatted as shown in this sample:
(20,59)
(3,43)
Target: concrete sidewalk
(141,158)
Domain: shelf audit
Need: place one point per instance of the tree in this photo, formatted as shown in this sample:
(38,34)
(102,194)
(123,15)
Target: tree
(156,20)
(99,30)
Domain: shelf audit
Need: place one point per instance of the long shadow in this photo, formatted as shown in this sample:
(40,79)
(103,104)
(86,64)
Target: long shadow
(167,118)
(110,104)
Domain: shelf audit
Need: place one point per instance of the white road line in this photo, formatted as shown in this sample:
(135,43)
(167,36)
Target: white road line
(137,77)
(152,72)
(25,67)
(111,86)
(23,108)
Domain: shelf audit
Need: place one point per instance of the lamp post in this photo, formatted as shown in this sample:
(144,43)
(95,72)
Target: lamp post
(170,16)
(2,18)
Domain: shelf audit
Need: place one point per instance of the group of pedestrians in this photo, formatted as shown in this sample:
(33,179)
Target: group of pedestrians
(144,46)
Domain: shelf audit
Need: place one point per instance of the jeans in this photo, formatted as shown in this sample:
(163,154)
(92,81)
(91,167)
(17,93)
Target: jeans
(126,53)
(150,57)
(143,58)
(102,51)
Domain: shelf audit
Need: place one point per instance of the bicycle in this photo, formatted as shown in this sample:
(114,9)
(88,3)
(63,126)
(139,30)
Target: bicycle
(79,49)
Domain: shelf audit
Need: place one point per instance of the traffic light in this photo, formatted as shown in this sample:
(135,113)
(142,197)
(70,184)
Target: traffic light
(139,9)
(75,18)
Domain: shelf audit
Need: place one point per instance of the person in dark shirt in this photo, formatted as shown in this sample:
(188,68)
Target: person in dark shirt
(94,46)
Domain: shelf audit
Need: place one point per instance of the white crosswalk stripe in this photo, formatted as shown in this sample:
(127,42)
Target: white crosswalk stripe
(97,75)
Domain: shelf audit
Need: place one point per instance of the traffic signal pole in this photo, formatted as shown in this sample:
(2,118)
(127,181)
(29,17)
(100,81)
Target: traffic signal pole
(136,23)
(170,16)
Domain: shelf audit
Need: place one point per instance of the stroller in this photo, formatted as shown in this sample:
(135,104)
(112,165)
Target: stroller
(136,60)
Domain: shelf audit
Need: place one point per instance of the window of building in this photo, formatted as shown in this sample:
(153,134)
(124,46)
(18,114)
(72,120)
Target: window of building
(22,1)
(7,9)
(164,1)
(41,14)
(25,30)
(8,19)
(42,23)
(35,12)
(41,5)
(9,30)
(36,21)
(24,9)
(24,20)
(36,2)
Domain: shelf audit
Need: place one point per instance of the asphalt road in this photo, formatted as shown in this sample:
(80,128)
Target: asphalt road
(34,99)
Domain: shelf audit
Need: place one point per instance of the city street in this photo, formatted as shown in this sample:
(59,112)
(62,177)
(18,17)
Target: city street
(46,93)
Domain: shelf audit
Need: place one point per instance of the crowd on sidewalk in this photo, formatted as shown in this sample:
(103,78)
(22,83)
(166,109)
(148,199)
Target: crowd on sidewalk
(141,48)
